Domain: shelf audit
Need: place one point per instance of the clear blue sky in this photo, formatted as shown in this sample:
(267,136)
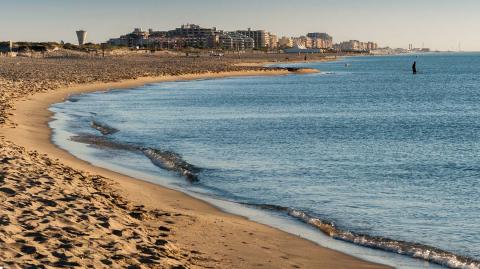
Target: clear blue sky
(439,24)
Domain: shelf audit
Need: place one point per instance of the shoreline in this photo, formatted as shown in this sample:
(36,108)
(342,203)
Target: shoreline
(31,117)
(286,62)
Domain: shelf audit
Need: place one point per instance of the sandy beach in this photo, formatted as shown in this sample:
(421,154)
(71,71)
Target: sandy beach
(57,210)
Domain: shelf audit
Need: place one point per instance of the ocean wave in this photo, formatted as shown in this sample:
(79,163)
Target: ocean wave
(164,159)
(414,250)
(172,161)
(103,128)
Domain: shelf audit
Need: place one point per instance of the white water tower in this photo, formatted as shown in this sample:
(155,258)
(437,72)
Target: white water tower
(82,36)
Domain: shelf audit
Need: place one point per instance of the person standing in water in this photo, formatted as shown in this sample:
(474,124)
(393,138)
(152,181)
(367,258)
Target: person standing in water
(414,67)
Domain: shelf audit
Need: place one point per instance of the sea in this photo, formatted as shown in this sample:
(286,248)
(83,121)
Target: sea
(363,157)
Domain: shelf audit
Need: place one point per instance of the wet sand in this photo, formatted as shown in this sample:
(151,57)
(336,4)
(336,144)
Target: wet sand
(58,210)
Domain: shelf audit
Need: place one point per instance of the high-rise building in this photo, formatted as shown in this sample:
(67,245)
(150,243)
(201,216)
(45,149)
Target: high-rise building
(236,41)
(285,42)
(82,37)
(193,35)
(372,46)
(272,41)
(260,37)
(303,42)
(321,40)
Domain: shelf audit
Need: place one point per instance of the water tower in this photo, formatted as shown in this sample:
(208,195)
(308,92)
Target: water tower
(82,36)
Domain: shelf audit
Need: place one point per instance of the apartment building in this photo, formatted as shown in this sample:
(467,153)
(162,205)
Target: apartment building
(260,37)
(285,42)
(321,40)
(194,36)
(272,41)
(356,46)
(236,41)
(137,38)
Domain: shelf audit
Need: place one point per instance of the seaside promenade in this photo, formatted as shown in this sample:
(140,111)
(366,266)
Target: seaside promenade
(58,211)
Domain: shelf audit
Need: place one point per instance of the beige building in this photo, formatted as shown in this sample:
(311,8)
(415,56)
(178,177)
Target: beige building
(236,41)
(260,37)
(372,46)
(321,40)
(319,43)
(285,42)
(303,41)
(272,41)
(355,45)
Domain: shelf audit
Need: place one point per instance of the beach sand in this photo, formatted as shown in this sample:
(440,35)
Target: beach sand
(57,210)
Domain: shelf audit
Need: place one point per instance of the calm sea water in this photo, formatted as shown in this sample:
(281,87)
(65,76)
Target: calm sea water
(390,159)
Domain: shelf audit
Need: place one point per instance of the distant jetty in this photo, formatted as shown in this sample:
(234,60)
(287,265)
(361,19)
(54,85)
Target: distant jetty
(301,70)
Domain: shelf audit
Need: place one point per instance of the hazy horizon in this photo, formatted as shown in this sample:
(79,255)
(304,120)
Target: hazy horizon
(437,24)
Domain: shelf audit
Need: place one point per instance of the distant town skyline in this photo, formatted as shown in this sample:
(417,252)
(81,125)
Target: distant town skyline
(438,24)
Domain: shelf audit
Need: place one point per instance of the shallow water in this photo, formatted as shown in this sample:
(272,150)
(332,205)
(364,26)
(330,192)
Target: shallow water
(378,152)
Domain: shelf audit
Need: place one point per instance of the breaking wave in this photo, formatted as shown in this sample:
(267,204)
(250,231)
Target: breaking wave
(164,159)
(103,128)
(414,250)
(172,161)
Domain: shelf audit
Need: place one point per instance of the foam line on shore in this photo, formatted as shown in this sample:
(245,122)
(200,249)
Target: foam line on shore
(411,249)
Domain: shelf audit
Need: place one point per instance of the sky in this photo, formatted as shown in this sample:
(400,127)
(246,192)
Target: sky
(437,24)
